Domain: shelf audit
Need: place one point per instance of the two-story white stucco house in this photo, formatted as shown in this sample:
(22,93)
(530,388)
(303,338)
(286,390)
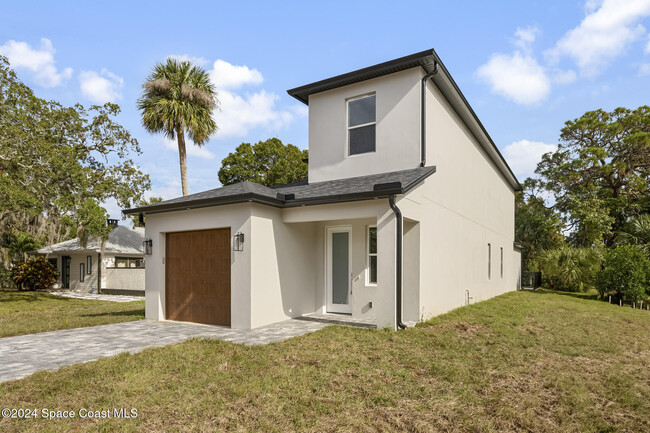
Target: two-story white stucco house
(408,213)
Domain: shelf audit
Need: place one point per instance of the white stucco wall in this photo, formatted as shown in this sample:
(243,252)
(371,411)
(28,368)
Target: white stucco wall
(238,218)
(398,128)
(124,279)
(464,206)
(282,267)
(89,285)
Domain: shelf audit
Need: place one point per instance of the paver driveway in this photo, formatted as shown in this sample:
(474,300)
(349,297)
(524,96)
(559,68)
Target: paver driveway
(25,354)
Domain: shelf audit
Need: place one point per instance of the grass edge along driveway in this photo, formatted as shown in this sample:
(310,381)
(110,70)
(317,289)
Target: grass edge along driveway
(30,312)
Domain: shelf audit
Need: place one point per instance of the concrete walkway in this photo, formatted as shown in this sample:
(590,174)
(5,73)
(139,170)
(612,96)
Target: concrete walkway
(96,297)
(25,354)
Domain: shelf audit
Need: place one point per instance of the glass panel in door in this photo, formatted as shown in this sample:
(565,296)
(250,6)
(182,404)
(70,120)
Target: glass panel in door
(340,271)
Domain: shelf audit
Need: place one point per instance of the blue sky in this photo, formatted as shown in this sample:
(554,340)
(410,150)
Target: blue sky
(525,67)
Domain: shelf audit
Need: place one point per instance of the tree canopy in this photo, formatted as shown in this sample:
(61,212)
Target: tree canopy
(58,164)
(179,98)
(269,163)
(599,174)
(537,227)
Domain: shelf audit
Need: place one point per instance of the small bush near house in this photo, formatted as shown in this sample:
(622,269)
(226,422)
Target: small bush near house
(625,274)
(568,268)
(6,281)
(34,274)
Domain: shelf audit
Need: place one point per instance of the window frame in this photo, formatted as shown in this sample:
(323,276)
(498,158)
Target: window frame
(501,262)
(348,127)
(89,265)
(128,261)
(368,255)
(82,272)
(489,261)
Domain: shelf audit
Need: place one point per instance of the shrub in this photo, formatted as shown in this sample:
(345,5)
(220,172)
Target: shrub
(34,274)
(6,281)
(625,274)
(569,268)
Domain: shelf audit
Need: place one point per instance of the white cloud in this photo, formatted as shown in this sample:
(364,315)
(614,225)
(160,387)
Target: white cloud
(525,36)
(197,61)
(101,87)
(524,155)
(564,77)
(644,69)
(228,76)
(517,77)
(607,29)
(191,148)
(40,62)
(239,112)
(592,5)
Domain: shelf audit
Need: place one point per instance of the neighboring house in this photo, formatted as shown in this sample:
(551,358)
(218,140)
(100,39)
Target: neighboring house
(120,267)
(408,213)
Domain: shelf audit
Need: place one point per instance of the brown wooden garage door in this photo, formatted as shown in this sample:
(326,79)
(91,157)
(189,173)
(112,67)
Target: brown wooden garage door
(197,276)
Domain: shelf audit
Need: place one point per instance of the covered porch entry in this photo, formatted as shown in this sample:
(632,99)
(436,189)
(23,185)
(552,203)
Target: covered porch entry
(354,262)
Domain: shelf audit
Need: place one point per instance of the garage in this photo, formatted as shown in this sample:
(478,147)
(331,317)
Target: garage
(197,276)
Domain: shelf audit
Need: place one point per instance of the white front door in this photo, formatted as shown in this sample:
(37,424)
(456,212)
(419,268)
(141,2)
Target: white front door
(338,277)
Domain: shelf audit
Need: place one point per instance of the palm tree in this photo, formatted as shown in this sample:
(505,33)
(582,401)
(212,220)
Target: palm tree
(637,232)
(20,243)
(179,98)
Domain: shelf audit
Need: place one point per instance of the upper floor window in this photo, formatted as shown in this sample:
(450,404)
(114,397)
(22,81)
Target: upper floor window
(361,124)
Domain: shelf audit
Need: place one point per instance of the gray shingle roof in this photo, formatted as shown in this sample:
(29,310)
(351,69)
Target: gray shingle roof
(298,194)
(121,240)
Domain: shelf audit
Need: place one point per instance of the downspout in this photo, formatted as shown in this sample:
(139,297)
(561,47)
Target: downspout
(423,112)
(398,261)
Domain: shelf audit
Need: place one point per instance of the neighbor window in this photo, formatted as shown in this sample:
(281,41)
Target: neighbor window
(489,261)
(372,255)
(129,262)
(82,273)
(361,125)
(501,262)
(89,264)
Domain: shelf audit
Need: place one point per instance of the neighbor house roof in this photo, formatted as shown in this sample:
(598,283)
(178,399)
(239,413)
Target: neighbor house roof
(121,240)
(298,194)
(443,81)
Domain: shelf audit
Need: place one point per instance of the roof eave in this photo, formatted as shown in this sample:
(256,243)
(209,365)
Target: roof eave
(407,62)
(220,201)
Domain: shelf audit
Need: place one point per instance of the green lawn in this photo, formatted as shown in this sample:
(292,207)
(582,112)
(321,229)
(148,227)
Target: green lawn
(29,312)
(589,294)
(524,361)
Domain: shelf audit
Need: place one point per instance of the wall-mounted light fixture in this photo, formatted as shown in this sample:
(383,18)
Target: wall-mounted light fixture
(147,246)
(238,242)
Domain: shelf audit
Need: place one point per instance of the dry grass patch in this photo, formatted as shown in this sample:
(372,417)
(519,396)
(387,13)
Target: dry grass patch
(520,362)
